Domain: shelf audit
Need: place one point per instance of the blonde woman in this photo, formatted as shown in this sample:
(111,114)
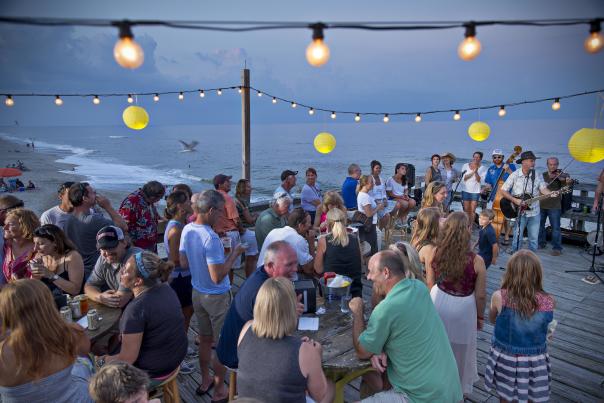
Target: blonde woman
(289,366)
(368,206)
(340,252)
(434,196)
(38,350)
(413,267)
(19,227)
(331,199)
(425,234)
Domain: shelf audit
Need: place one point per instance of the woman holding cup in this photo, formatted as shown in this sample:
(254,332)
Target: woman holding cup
(57,263)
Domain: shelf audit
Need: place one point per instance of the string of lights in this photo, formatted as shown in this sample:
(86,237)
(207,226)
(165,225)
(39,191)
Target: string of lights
(129,54)
(201,92)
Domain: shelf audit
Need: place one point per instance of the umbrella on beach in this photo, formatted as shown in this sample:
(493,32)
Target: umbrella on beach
(9,172)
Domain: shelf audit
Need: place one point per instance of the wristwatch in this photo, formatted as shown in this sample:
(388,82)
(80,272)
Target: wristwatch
(54,277)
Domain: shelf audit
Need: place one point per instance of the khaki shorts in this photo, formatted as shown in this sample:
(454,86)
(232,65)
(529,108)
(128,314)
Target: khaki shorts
(210,311)
(387,396)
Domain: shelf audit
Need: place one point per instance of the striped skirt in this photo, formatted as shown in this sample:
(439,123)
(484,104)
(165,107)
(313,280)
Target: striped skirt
(518,377)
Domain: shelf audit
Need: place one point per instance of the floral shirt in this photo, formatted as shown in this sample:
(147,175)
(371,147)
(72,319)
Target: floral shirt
(142,220)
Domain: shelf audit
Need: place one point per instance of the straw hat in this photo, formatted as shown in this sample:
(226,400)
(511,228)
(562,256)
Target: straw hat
(450,155)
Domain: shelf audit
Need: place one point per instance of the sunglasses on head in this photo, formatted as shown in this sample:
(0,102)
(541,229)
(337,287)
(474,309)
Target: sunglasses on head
(43,232)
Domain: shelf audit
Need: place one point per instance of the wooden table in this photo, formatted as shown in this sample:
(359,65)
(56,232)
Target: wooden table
(340,361)
(111,317)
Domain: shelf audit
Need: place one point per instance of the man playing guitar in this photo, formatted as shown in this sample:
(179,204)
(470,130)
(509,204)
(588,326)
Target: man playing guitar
(520,182)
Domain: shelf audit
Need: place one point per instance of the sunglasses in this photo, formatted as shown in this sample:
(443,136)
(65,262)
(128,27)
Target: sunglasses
(20,204)
(42,232)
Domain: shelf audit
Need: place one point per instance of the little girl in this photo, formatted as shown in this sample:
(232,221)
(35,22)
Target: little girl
(518,367)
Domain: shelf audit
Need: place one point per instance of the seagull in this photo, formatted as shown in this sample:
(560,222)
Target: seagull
(188,147)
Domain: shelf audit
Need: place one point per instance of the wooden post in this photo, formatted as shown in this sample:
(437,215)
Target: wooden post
(245,124)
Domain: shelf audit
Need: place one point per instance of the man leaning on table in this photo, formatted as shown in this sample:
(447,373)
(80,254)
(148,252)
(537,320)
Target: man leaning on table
(405,338)
(103,285)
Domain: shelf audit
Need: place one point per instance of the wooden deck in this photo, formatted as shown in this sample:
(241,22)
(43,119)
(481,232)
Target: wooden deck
(577,351)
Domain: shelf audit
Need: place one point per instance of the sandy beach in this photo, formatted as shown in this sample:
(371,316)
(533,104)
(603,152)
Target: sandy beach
(45,173)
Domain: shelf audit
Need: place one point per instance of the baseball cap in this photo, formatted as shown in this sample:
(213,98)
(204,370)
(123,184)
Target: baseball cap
(497,151)
(220,179)
(287,173)
(108,237)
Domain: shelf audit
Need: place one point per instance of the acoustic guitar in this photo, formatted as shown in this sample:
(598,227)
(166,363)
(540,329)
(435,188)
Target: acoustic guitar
(511,210)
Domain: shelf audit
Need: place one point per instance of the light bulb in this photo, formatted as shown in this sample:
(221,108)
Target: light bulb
(357,118)
(457,115)
(130,99)
(333,115)
(386,118)
(311,111)
(58,100)
(317,53)
(156,97)
(9,101)
(259,93)
(470,47)
(127,52)
(595,41)
(219,92)
(239,90)
(556,104)
(201,94)
(96,100)
(181,96)
(502,111)
(274,100)
(294,104)
(418,117)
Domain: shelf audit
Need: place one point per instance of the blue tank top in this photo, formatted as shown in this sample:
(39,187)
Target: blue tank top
(177,269)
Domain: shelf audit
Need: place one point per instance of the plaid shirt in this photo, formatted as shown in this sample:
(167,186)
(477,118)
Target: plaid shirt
(142,220)
(516,184)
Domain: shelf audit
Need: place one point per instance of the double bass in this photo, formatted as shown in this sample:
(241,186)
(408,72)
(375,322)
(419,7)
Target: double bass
(499,219)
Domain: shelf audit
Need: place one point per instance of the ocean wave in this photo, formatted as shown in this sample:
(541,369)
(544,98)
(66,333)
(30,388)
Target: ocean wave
(117,137)
(42,145)
(104,174)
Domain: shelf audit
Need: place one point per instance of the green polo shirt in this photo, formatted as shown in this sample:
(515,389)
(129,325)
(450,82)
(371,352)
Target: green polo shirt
(406,326)
(267,221)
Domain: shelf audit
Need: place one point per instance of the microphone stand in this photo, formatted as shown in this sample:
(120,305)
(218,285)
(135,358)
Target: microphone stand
(592,270)
(455,190)
(519,218)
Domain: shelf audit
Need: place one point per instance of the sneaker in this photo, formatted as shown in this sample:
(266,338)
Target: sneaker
(555,252)
(542,246)
(192,352)
(591,279)
(187,367)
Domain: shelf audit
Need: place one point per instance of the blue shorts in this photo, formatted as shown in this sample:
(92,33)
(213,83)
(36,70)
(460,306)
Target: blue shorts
(465,196)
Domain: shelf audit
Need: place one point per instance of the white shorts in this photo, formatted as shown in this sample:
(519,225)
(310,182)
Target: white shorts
(249,237)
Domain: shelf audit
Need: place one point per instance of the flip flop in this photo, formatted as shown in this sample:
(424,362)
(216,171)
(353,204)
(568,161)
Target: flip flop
(200,392)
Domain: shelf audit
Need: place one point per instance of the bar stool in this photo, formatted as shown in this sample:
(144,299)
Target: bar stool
(169,388)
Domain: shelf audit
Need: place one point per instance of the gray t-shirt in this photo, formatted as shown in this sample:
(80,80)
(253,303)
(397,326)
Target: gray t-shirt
(106,276)
(55,216)
(82,231)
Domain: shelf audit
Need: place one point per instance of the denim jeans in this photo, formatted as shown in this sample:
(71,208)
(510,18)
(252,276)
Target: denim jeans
(532,226)
(554,221)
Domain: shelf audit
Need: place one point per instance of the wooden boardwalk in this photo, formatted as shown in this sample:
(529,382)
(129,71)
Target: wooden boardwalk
(577,351)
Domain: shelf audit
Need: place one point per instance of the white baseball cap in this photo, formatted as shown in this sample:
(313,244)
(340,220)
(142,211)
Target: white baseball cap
(497,151)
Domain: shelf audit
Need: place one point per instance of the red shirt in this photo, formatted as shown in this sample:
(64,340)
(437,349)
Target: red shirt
(142,220)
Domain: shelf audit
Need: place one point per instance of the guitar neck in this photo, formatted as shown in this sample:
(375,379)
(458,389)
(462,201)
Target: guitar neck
(553,194)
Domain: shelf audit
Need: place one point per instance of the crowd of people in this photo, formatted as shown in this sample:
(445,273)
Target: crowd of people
(428,296)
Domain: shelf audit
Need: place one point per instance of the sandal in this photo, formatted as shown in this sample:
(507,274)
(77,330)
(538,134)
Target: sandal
(201,392)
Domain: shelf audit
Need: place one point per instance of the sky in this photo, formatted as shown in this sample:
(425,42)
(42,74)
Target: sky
(367,72)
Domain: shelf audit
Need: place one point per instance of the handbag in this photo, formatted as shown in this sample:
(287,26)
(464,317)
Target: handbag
(361,218)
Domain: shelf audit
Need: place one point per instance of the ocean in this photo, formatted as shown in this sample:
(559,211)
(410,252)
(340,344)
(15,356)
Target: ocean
(117,158)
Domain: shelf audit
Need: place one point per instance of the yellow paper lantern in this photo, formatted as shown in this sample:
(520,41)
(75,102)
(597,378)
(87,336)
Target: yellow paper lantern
(479,131)
(325,142)
(587,145)
(135,117)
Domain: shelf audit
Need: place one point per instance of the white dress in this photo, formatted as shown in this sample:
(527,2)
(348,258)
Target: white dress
(459,317)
